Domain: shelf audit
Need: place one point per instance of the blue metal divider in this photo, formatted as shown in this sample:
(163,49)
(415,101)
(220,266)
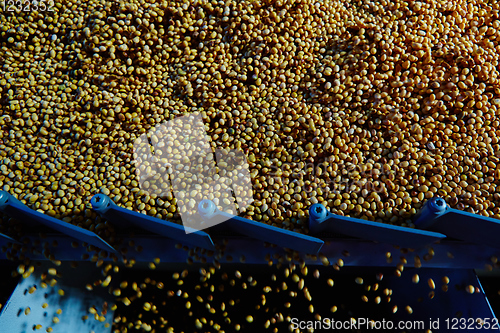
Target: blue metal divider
(322,220)
(446,239)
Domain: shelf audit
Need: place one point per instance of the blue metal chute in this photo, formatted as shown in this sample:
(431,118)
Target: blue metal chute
(74,303)
(121,217)
(437,216)
(443,306)
(321,220)
(448,248)
(14,208)
(264,232)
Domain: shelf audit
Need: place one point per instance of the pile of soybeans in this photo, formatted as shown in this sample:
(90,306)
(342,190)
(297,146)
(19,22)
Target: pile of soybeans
(367,107)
